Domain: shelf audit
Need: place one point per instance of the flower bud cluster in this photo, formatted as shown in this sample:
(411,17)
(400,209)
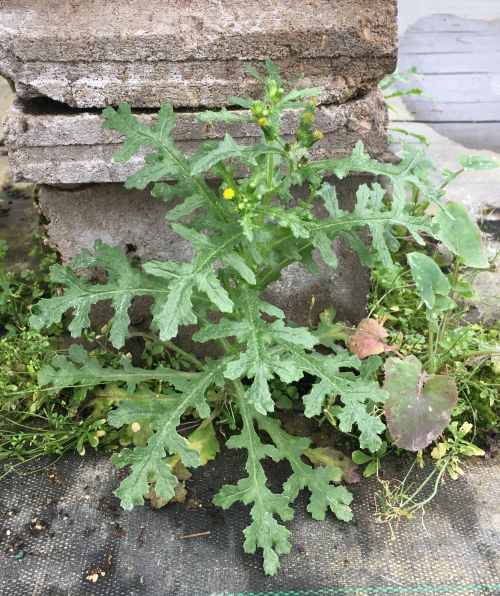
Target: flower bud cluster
(265,115)
(262,115)
(243,198)
(275,93)
(305,137)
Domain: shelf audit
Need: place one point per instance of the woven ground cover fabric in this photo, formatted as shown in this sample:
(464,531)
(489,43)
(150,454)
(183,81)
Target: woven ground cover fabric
(63,532)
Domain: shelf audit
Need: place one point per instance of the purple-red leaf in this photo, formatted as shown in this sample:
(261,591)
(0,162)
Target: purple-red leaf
(419,406)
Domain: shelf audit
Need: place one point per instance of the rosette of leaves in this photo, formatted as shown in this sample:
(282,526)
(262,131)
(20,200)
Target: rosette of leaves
(244,233)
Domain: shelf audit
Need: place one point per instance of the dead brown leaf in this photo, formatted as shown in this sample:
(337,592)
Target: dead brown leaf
(369,339)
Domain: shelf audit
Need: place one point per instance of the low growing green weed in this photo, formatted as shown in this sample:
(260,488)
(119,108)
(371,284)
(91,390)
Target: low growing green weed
(36,421)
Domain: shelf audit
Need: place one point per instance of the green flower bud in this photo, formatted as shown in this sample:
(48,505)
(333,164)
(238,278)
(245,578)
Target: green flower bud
(273,88)
(257,108)
(270,132)
(310,139)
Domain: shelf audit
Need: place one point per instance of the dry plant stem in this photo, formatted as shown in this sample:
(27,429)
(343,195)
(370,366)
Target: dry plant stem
(196,535)
(407,504)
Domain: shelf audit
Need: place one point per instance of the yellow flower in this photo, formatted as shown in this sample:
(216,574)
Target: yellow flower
(313,101)
(318,134)
(228,193)
(262,121)
(307,117)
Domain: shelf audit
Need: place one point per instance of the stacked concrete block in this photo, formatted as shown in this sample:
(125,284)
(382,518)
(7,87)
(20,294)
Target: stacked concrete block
(67,59)
(71,147)
(93,53)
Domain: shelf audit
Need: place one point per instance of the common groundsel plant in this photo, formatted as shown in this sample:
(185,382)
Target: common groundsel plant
(245,230)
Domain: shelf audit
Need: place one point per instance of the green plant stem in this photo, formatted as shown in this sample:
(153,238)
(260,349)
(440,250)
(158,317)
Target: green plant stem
(448,351)
(414,463)
(431,496)
(455,174)
(389,291)
(429,477)
(431,351)
(415,196)
(476,353)
(169,345)
(270,168)
(312,194)
(226,176)
(214,414)
(444,323)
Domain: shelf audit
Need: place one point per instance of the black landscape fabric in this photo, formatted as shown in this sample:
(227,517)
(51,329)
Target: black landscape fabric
(63,532)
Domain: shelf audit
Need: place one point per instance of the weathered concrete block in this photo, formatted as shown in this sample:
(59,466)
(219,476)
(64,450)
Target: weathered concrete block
(76,218)
(70,147)
(191,53)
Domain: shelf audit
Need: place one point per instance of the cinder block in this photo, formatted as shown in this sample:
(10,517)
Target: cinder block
(70,147)
(93,53)
(76,218)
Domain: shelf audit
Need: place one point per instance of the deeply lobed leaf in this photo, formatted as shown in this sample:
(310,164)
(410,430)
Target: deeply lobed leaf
(147,463)
(259,361)
(124,282)
(265,531)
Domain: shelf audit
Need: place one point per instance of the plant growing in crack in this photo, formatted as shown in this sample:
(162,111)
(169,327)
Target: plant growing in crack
(244,232)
